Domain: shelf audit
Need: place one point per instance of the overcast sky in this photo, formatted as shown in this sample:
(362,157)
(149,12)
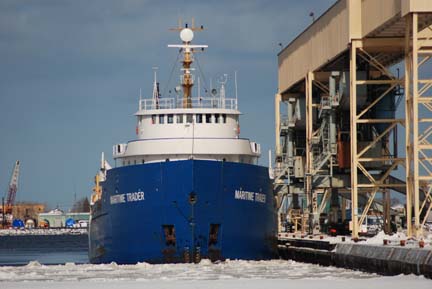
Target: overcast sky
(71,70)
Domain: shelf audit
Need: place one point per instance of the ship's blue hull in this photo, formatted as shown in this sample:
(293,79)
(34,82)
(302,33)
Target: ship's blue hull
(181,211)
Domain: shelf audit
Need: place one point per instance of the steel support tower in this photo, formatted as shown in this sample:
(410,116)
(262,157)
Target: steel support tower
(355,83)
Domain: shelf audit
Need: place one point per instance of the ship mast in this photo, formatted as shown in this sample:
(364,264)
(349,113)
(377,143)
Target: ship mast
(186,35)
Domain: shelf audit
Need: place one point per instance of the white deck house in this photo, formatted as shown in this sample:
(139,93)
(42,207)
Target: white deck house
(167,132)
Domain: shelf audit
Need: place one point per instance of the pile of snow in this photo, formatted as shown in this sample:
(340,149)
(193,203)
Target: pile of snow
(205,270)
(379,238)
(395,239)
(399,282)
(337,239)
(13,232)
(273,274)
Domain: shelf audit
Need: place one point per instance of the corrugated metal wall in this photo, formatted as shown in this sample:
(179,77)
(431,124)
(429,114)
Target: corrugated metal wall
(375,13)
(330,35)
(320,42)
(415,6)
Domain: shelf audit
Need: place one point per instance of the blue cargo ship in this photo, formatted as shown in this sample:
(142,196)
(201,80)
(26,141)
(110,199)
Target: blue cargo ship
(188,187)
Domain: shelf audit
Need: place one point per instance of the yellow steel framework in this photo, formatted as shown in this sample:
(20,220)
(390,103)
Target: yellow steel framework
(418,111)
(313,207)
(311,199)
(378,34)
(375,183)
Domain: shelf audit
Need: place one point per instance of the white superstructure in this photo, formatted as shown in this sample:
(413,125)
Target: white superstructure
(172,129)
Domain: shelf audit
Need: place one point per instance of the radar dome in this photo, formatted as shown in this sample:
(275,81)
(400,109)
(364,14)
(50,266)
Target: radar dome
(186,35)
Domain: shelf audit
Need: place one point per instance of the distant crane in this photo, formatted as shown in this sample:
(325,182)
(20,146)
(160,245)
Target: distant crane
(6,209)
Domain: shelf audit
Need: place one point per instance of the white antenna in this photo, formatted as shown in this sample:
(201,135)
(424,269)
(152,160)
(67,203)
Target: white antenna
(199,88)
(155,68)
(140,100)
(223,81)
(155,89)
(235,85)
(270,159)
(155,92)
(103,161)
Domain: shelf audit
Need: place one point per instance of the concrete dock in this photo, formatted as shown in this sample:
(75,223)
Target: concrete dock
(380,259)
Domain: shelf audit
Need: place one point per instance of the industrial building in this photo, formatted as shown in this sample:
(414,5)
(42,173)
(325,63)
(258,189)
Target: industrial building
(57,218)
(354,116)
(28,211)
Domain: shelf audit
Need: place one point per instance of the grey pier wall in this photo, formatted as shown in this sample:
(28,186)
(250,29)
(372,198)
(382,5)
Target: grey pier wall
(384,260)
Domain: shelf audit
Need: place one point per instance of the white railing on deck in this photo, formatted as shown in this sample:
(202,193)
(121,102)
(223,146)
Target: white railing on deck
(162,103)
(203,102)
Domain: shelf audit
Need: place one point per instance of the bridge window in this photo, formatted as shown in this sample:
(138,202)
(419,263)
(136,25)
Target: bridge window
(161,118)
(224,118)
(153,119)
(170,118)
(217,118)
(199,118)
(208,118)
(189,118)
(179,118)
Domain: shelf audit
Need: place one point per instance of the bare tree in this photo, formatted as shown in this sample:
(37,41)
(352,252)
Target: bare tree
(81,206)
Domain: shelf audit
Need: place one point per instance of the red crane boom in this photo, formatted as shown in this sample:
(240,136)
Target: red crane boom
(13,186)
(6,216)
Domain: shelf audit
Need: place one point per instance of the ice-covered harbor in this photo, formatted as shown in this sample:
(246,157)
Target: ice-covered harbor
(60,231)
(230,274)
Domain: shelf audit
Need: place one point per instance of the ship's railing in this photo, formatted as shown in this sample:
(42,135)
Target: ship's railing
(197,102)
(161,103)
(211,102)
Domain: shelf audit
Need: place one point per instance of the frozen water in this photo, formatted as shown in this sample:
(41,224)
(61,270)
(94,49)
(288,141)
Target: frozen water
(205,270)
(230,274)
(62,231)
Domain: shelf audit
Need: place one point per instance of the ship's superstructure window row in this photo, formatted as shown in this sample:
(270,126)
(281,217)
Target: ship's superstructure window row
(137,160)
(186,118)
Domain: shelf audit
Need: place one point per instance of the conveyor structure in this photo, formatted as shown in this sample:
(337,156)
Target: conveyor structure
(354,110)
